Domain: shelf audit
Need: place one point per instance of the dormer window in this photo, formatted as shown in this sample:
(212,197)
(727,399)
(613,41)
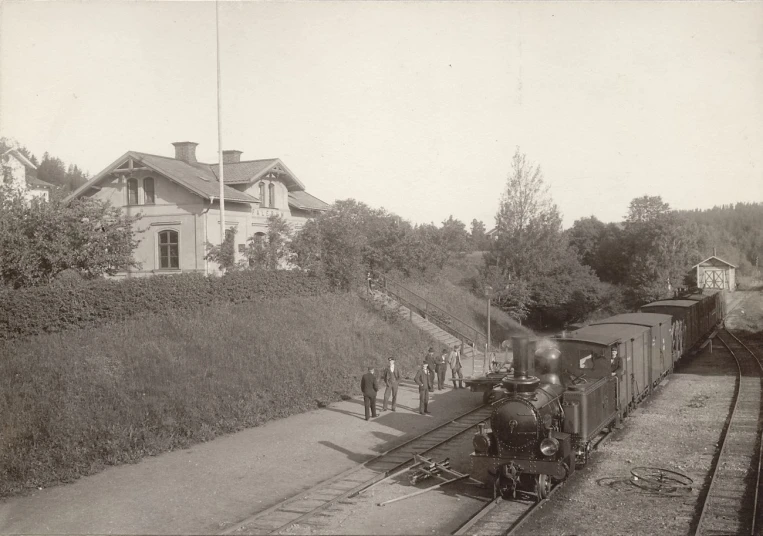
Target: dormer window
(263,200)
(148,191)
(272,192)
(132,191)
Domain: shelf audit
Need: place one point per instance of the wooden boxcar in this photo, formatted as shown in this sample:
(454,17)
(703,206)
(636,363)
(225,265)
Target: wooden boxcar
(641,359)
(694,316)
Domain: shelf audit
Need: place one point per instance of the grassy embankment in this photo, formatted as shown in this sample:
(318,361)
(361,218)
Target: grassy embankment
(74,402)
(452,291)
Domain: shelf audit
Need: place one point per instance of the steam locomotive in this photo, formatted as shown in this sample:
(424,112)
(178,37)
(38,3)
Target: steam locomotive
(547,415)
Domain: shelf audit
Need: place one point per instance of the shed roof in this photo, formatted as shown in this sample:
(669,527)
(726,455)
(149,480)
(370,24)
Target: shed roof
(716,258)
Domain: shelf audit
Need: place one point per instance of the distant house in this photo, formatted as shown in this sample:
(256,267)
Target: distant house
(20,174)
(715,273)
(178,199)
(492,234)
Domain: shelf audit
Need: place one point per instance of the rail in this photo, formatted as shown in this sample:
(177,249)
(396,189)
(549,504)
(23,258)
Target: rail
(438,316)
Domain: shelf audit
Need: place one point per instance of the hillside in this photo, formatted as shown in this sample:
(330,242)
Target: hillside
(452,291)
(78,401)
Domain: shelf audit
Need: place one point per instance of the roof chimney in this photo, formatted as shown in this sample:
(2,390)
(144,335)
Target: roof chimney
(231,156)
(185,151)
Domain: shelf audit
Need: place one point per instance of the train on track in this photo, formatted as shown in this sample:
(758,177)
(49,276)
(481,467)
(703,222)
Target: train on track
(547,415)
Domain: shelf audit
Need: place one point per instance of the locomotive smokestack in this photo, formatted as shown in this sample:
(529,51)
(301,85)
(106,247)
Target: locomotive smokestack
(523,382)
(524,357)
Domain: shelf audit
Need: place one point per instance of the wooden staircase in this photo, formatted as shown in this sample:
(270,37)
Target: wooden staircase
(437,323)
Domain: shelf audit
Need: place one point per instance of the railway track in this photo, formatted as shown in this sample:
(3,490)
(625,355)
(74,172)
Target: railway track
(732,499)
(320,497)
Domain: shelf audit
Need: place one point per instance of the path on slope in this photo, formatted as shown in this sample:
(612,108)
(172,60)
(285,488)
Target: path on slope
(473,359)
(214,485)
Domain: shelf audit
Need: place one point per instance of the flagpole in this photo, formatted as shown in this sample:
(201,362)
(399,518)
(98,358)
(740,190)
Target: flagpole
(221,171)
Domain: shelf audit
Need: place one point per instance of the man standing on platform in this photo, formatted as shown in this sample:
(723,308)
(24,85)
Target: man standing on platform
(424,381)
(391,377)
(442,368)
(431,367)
(369,388)
(454,360)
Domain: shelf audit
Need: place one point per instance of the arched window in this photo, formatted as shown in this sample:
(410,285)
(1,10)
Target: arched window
(272,192)
(263,200)
(132,191)
(169,252)
(148,191)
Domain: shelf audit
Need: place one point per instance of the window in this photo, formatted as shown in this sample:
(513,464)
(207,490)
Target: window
(272,192)
(148,191)
(132,191)
(168,250)
(263,199)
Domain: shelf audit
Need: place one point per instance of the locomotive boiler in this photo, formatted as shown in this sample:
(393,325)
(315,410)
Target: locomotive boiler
(525,446)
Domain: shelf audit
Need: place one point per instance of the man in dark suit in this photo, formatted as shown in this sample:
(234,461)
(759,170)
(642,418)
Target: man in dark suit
(424,381)
(369,388)
(442,367)
(431,367)
(391,377)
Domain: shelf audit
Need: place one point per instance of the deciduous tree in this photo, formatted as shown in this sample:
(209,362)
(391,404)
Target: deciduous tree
(39,240)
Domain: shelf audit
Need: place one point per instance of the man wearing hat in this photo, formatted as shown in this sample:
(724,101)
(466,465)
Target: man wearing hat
(424,381)
(431,367)
(369,388)
(454,360)
(391,377)
(441,369)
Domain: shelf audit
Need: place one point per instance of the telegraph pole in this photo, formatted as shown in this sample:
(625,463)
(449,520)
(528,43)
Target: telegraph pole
(221,173)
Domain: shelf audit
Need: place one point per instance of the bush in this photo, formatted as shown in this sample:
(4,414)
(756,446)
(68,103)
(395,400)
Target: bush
(61,306)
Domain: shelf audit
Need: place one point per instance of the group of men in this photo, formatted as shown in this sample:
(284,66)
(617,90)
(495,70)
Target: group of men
(424,378)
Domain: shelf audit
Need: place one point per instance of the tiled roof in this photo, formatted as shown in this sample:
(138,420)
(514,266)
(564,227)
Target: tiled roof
(302,200)
(198,178)
(242,172)
(251,170)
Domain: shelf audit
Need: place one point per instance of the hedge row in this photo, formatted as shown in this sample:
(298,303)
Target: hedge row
(53,308)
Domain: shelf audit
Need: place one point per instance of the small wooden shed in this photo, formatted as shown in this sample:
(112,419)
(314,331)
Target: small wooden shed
(716,273)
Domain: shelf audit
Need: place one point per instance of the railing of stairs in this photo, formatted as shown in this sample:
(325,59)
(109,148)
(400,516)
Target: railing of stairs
(467,334)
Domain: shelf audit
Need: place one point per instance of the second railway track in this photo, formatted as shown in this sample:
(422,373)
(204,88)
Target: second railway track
(318,498)
(732,499)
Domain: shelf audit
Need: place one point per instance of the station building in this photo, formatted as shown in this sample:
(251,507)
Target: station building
(178,200)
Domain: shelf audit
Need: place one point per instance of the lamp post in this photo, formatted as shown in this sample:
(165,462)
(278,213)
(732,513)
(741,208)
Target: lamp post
(488,295)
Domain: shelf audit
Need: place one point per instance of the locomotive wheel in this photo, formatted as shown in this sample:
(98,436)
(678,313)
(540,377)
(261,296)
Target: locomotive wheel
(542,487)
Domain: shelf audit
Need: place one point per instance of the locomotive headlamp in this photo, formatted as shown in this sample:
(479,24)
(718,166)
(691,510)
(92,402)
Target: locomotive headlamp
(549,446)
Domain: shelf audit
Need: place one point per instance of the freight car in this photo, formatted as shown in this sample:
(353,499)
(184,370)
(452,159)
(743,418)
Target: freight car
(547,415)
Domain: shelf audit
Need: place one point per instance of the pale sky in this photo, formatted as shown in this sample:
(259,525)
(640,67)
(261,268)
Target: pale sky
(413,106)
